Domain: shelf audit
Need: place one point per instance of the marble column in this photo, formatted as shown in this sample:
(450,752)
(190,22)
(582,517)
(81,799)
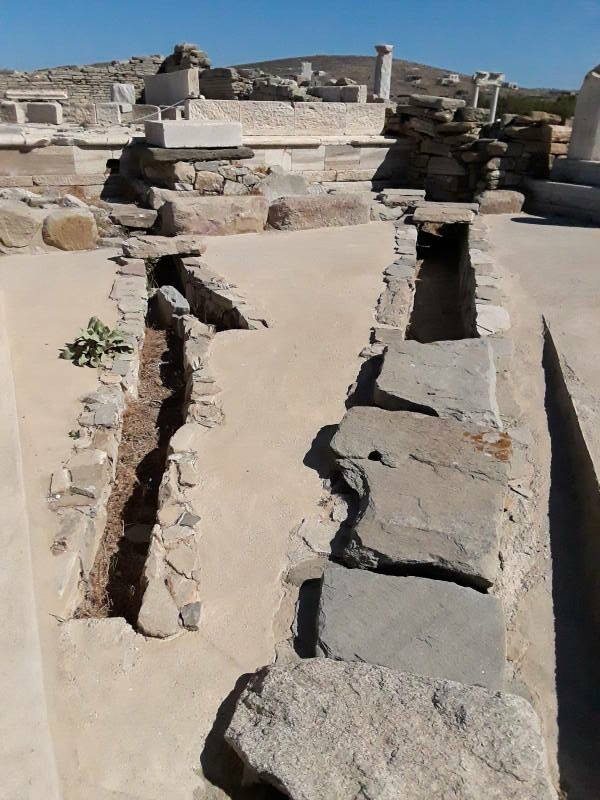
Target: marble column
(494,105)
(383,71)
(306,71)
(475,101)
(585,139)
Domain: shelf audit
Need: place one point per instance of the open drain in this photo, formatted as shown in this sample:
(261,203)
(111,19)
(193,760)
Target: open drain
(148,424)
(438,313)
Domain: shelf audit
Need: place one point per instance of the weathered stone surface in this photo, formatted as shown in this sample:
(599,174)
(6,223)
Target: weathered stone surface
(50,112)
(431,628)
(186,134)
(444,213)
(214,216)
(193,153)
(159,616)
(281,184)
(131,216)
(19,224)
(500,201)
(325,119)
(322,729)
(71,229)
(431,492)
(297,212)
(207,182)
(168,301)
(264,117)
(429,101)
(158,246)
(452,380)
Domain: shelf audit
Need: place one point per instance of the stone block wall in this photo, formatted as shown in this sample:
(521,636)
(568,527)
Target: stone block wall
(88,83)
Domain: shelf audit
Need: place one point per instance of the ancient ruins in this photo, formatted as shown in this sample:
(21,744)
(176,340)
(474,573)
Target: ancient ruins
(300,455)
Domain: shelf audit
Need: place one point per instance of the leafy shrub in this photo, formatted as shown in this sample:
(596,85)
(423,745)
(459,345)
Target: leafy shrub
(95,345)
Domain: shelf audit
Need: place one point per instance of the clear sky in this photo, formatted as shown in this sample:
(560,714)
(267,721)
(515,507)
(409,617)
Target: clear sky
(535,42)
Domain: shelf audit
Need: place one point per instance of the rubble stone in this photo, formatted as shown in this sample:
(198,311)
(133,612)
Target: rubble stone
(501,201)
(71,229)
(19,224)
(319,729)
(297,212)
(214,216)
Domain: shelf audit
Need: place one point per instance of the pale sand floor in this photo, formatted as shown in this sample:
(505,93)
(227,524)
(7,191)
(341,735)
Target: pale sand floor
(131,715)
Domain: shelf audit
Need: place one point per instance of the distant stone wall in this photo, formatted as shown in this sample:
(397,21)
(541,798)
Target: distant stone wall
(84,84)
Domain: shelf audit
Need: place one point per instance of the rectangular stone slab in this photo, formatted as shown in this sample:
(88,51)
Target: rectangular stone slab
(175,154)
(452,380)
(321,729)
(431,628)
(184,133)
(431,493)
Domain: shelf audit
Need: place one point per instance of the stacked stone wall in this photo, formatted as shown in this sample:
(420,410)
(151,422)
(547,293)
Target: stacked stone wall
(88,83)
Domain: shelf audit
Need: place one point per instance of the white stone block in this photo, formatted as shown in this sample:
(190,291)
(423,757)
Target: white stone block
(50,112)
(267,117)
(169,88)
(278,157)
(186,133)
(325,119)
(342,156)
(11,111)
(142,112)
(365,118)
(308,158)
(372,157)
(108,114)
(123,93)
(213,110)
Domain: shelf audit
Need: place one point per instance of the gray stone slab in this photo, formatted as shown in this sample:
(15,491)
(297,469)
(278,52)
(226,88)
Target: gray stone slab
(431,493)
(322,729)
(174,154)
(168,303)
(452,380)
(431,628)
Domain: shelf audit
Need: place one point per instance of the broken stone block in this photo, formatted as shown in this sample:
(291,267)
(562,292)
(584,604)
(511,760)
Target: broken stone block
(19,224)
(190,616)
(49,112)
(297,213)
(131,216)
(159,616)
(452,380)
(168,302)
(11,111)
(320,729)
(123,93)
(431,493)
(70,229)
(500,201)
(157,246)
(90,472)
(442,214)
(108,114)
(214,216)
(281,184)
(431,628)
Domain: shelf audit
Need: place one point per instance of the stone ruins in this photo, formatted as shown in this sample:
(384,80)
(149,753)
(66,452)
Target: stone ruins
(310,508)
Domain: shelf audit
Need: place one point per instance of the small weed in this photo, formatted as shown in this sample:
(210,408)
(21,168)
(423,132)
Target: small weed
(95,345)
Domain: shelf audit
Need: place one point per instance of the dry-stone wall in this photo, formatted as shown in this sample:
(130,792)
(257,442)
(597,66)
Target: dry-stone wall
(88,83)
(457,155)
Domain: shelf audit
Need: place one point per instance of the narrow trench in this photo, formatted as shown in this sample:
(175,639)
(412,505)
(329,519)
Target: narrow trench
(574,518)
(437,314)
(115,586)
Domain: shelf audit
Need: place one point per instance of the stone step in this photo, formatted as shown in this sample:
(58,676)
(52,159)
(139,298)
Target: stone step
(563,199)
(575,170)
(431,628)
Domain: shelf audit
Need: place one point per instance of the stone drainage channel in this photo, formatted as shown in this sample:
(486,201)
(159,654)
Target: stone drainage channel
(406,572)
(132,551)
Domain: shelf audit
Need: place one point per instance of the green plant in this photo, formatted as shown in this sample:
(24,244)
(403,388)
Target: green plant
(95,344)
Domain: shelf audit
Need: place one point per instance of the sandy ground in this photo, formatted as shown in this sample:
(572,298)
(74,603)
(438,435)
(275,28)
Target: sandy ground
(139,713)
(48,298)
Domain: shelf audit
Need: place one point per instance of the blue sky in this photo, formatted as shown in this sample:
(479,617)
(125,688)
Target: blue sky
(535,42)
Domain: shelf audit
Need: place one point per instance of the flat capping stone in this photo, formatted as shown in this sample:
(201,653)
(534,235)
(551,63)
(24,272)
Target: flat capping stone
(171,155)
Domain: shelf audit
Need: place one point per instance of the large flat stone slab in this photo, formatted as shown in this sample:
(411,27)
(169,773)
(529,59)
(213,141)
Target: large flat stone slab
(185,133)
(431,628)
(431,493)
(452,380)
(301,212)
(214,216)
(174,154)
(322,729)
